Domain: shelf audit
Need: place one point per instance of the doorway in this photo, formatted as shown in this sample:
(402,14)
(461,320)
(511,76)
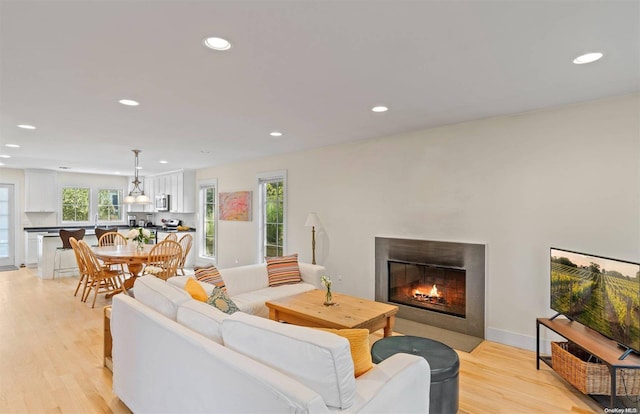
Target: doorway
(7,230)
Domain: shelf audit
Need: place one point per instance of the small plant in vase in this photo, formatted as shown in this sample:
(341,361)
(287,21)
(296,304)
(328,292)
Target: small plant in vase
(326,282)
(140,236)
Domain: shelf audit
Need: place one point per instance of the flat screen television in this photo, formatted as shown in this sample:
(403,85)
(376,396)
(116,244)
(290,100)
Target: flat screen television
(598,292)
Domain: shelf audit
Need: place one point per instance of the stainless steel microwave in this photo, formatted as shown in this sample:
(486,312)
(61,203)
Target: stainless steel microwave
(163,202)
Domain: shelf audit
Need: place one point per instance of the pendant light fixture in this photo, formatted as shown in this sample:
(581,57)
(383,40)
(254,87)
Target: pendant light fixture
(136,195)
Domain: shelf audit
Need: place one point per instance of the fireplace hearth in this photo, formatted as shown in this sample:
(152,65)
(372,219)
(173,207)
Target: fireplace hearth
(432,282)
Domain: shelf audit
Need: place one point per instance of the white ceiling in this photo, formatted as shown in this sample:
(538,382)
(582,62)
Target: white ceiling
(311,69)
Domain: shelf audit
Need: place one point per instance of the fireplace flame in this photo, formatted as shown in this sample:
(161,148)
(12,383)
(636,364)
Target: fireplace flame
(434,292)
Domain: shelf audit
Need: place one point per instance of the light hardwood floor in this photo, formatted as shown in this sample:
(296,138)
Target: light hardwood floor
(51,360)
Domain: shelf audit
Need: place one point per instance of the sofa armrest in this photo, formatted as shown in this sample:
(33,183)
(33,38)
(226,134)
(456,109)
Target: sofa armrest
(311,273)
(401,374)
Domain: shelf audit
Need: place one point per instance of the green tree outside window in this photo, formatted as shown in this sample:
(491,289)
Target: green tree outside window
(75,204)
(109,205)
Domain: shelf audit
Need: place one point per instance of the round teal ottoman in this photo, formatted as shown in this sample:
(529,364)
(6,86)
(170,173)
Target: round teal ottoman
(444,363)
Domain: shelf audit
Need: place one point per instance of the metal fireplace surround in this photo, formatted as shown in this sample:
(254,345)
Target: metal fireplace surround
(470,257)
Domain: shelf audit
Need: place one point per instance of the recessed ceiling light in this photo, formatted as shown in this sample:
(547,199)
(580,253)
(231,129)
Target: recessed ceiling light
(12,145)
(117,172)
(164,162)
(216,43)
(138,167)
(275,134)
(5,156)
(25,126)
(129,102)
(380,109)
(587,58)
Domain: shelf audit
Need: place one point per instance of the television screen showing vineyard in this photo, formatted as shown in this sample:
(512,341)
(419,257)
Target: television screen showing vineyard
(600,293)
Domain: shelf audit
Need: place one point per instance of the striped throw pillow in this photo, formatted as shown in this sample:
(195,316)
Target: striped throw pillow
(283,270)
(209,274)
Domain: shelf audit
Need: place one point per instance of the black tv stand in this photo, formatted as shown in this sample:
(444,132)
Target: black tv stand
(592,342)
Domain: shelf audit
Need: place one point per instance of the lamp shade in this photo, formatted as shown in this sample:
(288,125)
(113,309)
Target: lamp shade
(312,220)
(143,199)
(129,199)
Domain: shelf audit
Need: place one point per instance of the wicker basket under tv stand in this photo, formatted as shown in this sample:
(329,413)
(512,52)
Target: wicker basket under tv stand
(592,342)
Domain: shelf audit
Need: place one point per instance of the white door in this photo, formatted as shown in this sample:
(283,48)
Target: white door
(7,248)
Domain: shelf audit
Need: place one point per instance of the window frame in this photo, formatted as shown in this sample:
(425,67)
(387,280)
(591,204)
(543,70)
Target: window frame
(121,206)
(203,185)
(263,178)
(61,204)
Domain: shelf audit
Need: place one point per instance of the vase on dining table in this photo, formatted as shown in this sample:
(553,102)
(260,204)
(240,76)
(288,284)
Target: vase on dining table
(139,245)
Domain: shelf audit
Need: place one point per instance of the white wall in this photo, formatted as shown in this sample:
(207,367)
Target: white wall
(565,177)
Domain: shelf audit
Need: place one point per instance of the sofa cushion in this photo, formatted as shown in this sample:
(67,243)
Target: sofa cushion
(320,360)
(209,274)
(221,300)
(159,295)
(253,302)
(360,350)
(195,290)
(246,278)
(202,318)
(283,270)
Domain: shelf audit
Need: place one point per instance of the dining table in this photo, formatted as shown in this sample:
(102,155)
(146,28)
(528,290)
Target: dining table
(128,254)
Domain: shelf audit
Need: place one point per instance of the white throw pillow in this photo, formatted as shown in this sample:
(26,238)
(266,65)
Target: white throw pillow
(159,295)
(320,360)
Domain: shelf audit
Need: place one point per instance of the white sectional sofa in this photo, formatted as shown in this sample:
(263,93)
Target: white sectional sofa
(173,354)
(248,286)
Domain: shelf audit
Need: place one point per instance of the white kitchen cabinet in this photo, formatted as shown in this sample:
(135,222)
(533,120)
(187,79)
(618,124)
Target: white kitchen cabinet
(40,191)
(180,186)
(31,248)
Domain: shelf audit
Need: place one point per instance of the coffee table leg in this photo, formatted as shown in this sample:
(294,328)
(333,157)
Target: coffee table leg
(273,314)
(388,329)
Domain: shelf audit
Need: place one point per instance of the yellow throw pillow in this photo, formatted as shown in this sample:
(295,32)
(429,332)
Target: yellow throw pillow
(195,290)
(360,350)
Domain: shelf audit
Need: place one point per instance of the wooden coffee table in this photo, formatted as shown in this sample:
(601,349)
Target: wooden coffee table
(308,309)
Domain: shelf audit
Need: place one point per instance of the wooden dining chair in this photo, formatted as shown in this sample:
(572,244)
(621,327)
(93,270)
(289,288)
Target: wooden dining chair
(113,238)
(163,259)
(172,236)
(82,267)
(101,279)
(185,242)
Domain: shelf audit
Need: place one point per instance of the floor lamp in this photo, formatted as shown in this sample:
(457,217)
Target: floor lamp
(313,221)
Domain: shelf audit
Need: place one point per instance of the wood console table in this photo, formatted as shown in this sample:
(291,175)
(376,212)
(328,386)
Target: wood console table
(592,342)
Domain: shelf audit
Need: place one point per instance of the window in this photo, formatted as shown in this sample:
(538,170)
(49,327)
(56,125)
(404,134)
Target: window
(109,205)
(272,190)
(208,204)
(75,204)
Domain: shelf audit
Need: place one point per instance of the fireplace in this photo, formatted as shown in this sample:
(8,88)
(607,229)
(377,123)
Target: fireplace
(433,282)
(426,286)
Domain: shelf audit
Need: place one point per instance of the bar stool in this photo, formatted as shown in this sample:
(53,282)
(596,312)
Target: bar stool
(65,235)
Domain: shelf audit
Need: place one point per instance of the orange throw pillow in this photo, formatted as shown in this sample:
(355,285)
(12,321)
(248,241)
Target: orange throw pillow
(360,350)
(195,290)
